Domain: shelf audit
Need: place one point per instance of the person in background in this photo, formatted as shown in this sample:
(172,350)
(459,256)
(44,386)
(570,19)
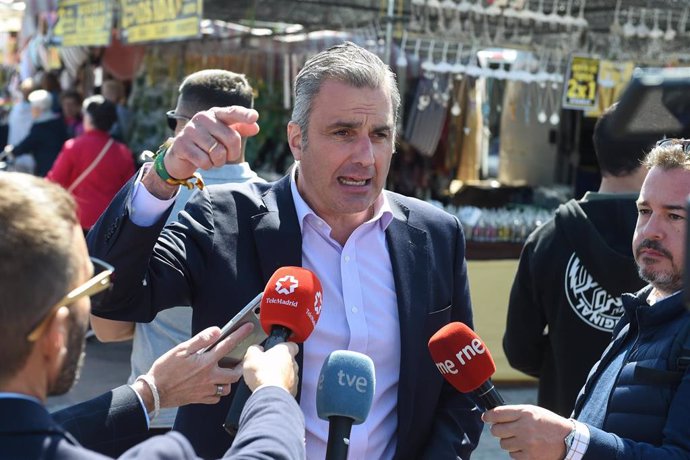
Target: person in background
(49,81)
(114,91)
(93,167)
(71,102)
(46,136)
(199,91)
(636,400)
(46,280)
(19,120)
(392,267)
(566,297)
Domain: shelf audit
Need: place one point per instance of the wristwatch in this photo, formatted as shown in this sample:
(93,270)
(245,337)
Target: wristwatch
(569,439)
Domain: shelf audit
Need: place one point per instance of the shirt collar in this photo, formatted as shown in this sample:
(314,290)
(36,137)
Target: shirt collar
(10,395)
(383,214)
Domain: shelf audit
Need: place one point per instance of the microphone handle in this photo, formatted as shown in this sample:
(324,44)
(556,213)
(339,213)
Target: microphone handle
(488,396)
(339,428)
(279,334)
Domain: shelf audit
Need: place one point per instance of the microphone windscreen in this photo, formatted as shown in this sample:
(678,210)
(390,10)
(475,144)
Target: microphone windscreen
(461,357)
(293,299)
(346,386)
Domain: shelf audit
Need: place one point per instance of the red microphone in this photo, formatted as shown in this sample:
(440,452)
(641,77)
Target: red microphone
(290,307)
(465,362)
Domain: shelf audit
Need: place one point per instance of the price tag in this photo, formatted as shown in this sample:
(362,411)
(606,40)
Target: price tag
(580,90)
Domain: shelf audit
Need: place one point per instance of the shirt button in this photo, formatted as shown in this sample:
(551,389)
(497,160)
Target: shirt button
(355,309)
(347,258)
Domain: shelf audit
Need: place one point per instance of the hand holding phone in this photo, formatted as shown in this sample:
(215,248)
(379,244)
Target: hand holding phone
(249,314)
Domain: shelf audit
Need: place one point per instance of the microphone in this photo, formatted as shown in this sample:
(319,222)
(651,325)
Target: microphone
(465,362)
(290,307)
(343,397)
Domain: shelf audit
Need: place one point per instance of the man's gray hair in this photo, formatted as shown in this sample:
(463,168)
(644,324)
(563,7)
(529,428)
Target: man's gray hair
(41,99)
(347,63)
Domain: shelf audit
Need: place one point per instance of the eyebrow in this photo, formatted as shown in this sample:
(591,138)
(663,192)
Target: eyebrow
(356,124)
(668,207)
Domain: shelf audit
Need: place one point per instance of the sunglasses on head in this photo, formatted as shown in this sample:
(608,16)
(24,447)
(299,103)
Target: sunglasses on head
(684,143)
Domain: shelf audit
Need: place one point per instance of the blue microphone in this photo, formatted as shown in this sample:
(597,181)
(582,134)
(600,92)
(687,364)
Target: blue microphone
(343,397)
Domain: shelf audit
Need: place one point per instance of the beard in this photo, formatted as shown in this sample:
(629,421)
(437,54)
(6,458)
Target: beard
(667,281)
(69,373)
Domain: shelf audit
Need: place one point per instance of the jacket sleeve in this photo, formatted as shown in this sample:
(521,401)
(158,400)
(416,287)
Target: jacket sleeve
(524,341)
(676,440)
(271,426)
(153,270)
(457,424)
(108,424)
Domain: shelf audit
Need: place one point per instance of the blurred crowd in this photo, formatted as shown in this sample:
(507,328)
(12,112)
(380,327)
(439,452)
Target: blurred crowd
(76,141)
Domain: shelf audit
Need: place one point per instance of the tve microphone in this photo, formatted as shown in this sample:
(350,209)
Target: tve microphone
(290,307)
(343,397)
(465,362)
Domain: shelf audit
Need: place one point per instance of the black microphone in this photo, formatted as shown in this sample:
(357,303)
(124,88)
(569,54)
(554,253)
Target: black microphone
(290,307)
(344,396)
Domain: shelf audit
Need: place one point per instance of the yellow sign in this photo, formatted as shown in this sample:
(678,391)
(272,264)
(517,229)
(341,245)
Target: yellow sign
(580,90)
(159,20)
(84,23)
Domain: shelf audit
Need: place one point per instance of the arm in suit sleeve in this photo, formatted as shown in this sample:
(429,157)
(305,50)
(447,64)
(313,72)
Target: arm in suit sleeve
(524,341)
(457,423)
(109,424)
(271,427)
(153,270)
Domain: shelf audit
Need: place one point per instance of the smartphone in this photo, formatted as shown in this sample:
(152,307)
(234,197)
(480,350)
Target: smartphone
(249,314)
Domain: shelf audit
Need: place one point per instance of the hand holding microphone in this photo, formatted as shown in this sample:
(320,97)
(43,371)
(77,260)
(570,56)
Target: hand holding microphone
(465,362)
(290,307)
(274,367)
(344,396)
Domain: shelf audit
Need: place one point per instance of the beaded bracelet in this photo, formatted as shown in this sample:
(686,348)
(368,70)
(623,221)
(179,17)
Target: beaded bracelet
(195,180)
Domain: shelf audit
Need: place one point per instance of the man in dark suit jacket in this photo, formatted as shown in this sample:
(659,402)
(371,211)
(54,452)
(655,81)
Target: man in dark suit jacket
(392,267)
(42,341)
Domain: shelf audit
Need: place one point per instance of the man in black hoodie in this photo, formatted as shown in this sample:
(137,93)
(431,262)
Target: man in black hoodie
(565,298)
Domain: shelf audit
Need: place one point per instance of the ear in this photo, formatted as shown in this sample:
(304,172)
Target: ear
(294,135)
(54,340)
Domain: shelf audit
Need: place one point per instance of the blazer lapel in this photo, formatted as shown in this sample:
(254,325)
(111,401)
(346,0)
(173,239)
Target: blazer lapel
(408,249)
(277,233)
(278,238)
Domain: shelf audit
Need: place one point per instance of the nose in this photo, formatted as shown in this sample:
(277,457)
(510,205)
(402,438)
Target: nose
(653,228)
(363,151)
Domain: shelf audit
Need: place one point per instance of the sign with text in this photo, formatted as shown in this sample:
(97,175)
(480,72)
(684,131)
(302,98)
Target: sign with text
(84,23)
(580,90)
(159,20)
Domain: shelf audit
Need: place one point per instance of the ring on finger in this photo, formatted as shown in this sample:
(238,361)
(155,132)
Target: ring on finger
(215,144)
(219,390)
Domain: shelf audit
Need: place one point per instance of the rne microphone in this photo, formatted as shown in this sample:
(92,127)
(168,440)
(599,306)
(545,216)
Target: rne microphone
(290,307)
(343,397)
(465,362)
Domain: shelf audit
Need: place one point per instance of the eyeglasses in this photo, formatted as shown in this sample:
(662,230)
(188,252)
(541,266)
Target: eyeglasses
(684,143)
(173,117)
(99,282)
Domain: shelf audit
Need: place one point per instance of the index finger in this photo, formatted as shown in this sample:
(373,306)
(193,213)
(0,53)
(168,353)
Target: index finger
(501,414)
(224,346)
(239,118)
